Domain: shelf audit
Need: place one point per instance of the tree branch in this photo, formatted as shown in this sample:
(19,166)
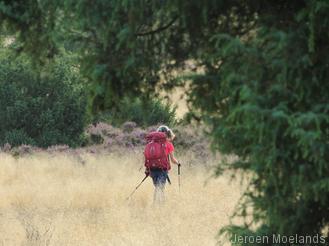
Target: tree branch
(160,29)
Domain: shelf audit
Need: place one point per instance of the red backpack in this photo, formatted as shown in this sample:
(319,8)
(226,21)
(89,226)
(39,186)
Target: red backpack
(155,151)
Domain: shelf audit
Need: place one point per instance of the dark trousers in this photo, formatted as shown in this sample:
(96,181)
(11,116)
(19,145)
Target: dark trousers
(159,178)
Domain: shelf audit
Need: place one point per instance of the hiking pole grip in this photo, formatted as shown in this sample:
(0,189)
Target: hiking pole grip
(179,177)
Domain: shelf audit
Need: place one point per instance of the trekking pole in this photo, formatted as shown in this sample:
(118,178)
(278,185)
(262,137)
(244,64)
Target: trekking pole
(179,177)
(132,193)
(168,179)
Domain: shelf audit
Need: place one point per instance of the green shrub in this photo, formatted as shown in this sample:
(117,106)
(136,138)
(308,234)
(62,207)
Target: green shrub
(18,137)
(40,108)
(144,113)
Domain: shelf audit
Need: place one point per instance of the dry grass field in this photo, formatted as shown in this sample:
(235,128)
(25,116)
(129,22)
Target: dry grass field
(56,199)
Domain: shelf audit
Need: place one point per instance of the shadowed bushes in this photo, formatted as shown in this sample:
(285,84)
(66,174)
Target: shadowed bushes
(144,113)
(40,108)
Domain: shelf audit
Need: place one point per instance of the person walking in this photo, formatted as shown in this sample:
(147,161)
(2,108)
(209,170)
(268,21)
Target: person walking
(159,153)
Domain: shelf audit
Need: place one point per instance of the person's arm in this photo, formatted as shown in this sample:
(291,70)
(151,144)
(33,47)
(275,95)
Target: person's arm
(173,159)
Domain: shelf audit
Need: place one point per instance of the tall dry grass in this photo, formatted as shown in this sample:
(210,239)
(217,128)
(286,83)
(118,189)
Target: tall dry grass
(57,199)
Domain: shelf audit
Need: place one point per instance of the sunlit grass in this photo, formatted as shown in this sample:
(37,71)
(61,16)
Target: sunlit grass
(57,200)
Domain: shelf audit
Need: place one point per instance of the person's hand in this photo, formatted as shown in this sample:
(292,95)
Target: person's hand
(147,172)
(178,164)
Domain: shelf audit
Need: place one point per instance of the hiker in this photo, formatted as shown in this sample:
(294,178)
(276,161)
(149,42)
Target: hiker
(159,152)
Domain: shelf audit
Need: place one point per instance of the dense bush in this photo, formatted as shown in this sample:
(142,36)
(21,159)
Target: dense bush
(144,113)
(40,109)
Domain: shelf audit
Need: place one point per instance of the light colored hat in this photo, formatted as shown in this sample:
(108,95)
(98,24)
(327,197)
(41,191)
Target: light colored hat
(170,134)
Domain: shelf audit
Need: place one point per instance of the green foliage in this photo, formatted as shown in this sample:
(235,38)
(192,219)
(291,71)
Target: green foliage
(144,113)
(267,102)
(40,110)
(17,137)
(36,22)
